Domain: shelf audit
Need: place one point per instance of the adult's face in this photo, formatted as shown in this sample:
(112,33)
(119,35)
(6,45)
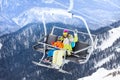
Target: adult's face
(65,34)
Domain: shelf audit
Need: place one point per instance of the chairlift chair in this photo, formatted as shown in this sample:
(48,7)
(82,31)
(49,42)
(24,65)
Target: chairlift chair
(80,54)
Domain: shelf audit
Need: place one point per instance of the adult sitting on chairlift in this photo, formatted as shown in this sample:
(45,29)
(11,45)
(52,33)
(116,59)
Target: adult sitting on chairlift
(67,42)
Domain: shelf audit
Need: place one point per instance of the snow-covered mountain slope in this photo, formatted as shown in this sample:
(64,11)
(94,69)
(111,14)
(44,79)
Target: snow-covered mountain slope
(108,57)
(45,14)
(18,54)
(103,74)
(108,49)
(105,60)
(112,36)
(7,25)
(105,11)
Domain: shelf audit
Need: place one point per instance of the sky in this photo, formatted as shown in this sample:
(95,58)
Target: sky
(98,13)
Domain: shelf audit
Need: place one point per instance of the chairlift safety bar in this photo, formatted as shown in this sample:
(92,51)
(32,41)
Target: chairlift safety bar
(69,30)
(64,49)
(82,50)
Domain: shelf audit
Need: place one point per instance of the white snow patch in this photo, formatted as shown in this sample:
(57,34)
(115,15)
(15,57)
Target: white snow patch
(0,45)
(24,78)
(118,49)
(103,74)
(47,1)
(113,36)
(50,15)
(26,43)
(14,47)
(104,61)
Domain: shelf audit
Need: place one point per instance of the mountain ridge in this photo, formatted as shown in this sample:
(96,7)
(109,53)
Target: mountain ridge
(19,45)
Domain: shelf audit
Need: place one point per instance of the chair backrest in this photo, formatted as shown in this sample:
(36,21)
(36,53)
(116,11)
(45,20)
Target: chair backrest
(80,45)
(51,38)
(80,55)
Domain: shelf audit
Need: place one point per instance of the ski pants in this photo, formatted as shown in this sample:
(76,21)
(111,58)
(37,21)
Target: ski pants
(58,57)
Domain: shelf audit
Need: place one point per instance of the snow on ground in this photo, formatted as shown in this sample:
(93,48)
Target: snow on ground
(103,74)
(104,61)
(114,34)
(118,49)
(36,14)
(6,25)
(0,45)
